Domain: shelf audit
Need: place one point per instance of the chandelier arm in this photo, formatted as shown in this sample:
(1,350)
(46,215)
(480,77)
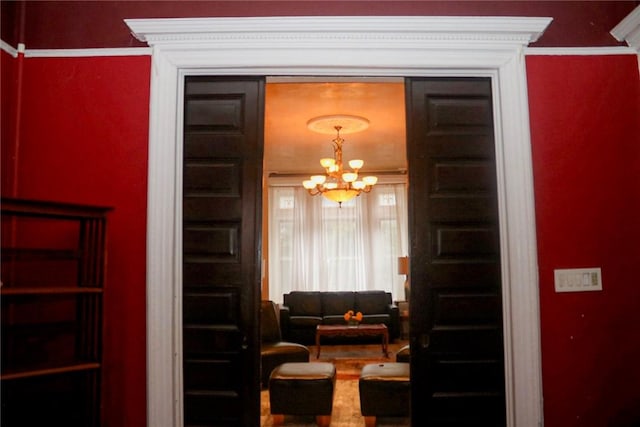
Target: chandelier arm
(314,191)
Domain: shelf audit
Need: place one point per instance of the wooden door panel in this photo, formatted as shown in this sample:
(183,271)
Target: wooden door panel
(464,276)
(449,145)
(222,175)
(469,242)
(211,341)
(208,274)
(458,308)
(464,114)
(469,409)
(210,210)
(471,375)
(453,208)
(451,176)
(209,307)
(457,372)
(199,374)
(212,179)
(210,407)
(465,341)
(206,242)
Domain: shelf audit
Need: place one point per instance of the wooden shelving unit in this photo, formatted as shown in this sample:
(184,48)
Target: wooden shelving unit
(53,273)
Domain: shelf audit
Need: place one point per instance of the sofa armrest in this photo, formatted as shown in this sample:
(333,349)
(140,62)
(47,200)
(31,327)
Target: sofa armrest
(285,321)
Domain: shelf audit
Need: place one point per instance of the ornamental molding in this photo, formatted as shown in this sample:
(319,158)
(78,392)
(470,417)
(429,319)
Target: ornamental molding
(579,51)
(629,30)
(8,49)
(84,53)
(390,47)
(399,29)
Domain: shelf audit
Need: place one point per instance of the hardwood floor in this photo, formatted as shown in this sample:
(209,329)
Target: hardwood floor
(349,360)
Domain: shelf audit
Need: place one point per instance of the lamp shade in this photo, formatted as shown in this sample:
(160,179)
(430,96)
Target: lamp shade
(340,195)
(403,265)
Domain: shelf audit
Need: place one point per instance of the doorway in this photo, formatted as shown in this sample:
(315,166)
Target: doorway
(292,153)
(390,46)
(457,345)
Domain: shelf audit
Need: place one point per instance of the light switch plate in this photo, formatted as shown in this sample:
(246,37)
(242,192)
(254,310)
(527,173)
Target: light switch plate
(578,279)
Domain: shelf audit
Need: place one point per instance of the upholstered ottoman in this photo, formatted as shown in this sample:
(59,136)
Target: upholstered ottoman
(384,391)
(299,388)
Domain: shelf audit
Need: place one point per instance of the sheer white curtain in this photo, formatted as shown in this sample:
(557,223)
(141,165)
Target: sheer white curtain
(314,244)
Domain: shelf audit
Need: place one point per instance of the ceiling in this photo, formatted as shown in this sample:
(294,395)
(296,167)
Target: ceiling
(291,148)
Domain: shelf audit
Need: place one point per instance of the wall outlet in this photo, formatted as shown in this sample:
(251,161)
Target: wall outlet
(578,279)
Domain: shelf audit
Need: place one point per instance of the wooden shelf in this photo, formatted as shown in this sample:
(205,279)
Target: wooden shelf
(50,209)
(61,290)
(76,367)
(35,254)
(53,272)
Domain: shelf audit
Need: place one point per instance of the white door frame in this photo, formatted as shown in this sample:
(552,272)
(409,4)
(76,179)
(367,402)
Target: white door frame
(401,46)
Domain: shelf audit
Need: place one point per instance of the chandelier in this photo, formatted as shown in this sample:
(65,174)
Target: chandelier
(337,184)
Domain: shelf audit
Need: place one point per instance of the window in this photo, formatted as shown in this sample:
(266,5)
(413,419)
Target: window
(315,244)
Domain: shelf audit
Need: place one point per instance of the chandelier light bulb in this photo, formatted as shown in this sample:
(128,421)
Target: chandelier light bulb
(318,179)
(356,164)
(370,180)
(308,184)
(327,162)
(349,176)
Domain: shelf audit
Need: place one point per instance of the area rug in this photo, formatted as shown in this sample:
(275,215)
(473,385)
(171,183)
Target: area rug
(349,360)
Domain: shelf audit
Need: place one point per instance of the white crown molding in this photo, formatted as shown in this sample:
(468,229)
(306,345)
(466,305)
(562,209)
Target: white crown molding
(73,53)
(147,51)
(629,30)
(579,51)
(320,46)
(79,53)
(176,30)
(8,48)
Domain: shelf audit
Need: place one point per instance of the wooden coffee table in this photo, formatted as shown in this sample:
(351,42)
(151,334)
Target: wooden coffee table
(373,330)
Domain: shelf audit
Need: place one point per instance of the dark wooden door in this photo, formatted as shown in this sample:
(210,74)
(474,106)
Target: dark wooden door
(457,366)
(223,146)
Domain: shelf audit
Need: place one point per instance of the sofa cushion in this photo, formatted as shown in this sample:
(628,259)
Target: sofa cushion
(305,321)
(376,318)
(334,319)
(371,302)
(303,303)
(337,303)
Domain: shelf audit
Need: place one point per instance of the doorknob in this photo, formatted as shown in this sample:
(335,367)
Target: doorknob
(424,341)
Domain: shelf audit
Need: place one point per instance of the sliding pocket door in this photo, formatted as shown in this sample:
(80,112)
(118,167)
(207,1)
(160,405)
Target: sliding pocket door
(221,225)
(457,371)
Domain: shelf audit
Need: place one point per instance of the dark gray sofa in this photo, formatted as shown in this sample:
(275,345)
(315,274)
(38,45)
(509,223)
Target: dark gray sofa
(302,311)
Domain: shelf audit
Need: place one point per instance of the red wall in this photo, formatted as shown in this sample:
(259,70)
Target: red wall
(585,126)
(84,139)
(8,119)
(81,24)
